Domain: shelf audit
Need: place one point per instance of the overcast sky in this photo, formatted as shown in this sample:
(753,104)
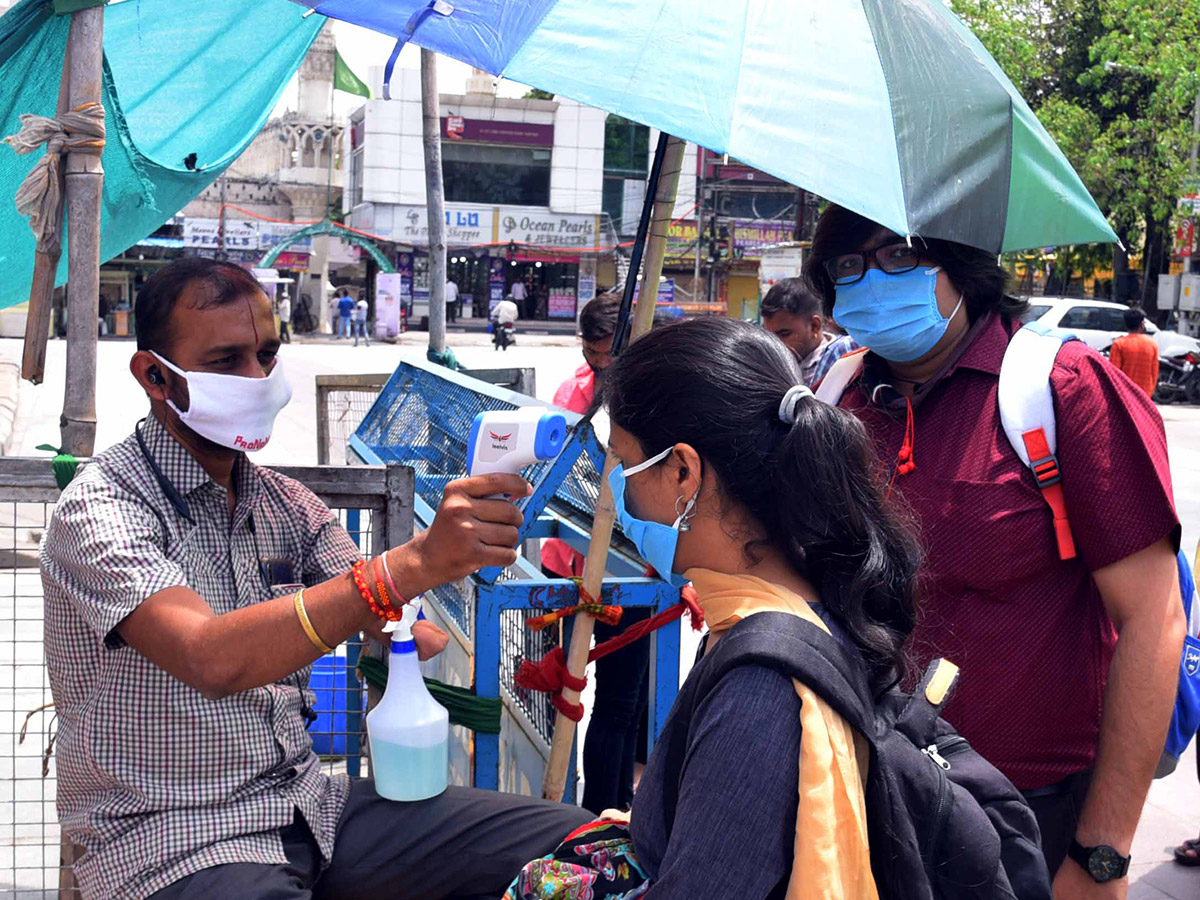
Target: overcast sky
(363,48)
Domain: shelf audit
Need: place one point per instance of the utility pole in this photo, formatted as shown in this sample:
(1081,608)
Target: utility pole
(434,201)
(84,185)
(221,220)
(1194,186)
(699,228)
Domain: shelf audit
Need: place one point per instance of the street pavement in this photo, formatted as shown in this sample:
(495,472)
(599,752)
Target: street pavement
(1173,809)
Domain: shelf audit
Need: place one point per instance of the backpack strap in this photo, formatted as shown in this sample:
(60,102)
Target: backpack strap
(839,376)
(801,650)
(1027,416)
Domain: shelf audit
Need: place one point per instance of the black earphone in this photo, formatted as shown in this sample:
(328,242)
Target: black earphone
(154,376)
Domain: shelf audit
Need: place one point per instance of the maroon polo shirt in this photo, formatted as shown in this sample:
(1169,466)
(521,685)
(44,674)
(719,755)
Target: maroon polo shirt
(1028,630)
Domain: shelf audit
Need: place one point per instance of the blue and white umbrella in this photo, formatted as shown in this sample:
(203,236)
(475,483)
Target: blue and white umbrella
(891,108)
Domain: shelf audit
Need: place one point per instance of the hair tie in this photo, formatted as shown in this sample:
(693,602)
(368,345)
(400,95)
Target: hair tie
(789,407)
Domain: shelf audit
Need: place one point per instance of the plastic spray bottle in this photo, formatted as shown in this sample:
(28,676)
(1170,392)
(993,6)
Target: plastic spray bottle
(409,730)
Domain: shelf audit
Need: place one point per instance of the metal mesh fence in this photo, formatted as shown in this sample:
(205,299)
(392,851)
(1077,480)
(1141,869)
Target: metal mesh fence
(424,421)
(29,833)
(518,642)
(30,839)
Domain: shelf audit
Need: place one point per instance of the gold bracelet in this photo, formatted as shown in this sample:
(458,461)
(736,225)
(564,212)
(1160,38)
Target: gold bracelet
(307,625)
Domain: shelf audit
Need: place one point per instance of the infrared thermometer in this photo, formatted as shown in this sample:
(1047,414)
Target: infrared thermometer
(508,440)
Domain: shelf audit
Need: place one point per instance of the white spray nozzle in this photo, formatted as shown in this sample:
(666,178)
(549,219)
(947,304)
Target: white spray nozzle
(401,629)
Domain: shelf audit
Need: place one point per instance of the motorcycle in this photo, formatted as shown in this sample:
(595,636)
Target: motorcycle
(503,335)
(1178,379)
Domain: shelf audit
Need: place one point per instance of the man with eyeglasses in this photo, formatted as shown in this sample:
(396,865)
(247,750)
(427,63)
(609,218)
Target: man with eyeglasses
(1071,648)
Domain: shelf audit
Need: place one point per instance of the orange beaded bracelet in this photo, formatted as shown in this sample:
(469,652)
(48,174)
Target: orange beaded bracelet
(361,582)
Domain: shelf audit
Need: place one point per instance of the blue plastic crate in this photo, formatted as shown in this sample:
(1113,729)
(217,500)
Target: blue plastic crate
(329,731)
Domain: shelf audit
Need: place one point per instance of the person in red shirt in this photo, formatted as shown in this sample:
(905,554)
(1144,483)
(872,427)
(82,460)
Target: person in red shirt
(617,726)
(1136,354)
(1069,667)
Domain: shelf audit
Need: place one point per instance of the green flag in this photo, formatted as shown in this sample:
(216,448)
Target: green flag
(345,80)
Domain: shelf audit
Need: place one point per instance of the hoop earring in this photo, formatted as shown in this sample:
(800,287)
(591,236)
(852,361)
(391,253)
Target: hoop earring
(684,518)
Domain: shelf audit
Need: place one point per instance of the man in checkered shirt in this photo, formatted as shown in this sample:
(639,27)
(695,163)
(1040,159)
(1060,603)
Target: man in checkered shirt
(179,655)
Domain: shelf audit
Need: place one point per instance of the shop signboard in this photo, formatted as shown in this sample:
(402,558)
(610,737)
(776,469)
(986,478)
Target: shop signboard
(587,280)
(389,297)
(524,226)
(751,236)
(464,225)
(666,292)
(490,131)
(290,259)
(561,303)
(495,283)
(681,242)
(778,263)
(240,234)
(272,233)
(404,268)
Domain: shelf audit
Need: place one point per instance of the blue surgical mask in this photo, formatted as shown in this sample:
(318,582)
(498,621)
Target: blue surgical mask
(897,316)
(655,541)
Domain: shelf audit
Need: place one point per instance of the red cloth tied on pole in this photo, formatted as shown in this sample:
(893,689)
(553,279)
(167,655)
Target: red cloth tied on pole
(551,675)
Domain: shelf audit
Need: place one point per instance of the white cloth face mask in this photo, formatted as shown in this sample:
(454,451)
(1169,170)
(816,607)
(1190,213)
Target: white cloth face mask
(232,410)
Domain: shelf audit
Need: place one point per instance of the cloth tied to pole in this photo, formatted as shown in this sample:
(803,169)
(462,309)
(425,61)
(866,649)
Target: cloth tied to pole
(551,675)
(80,130)
(609,615)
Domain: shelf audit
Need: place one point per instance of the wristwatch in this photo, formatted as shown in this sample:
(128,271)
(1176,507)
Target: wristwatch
(1103,863)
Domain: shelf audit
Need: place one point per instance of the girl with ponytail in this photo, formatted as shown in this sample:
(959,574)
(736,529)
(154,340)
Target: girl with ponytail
(766,499)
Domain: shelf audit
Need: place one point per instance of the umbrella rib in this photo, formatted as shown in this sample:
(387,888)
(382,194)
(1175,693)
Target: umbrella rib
(908,233)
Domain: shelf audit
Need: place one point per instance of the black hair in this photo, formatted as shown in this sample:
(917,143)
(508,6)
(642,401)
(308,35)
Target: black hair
(794,295)
(222,283)
(1134,318)
(598,318)
(977,273)
(814,486)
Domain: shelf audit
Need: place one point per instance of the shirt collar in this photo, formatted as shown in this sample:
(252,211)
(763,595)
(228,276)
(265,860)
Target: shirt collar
(184,471)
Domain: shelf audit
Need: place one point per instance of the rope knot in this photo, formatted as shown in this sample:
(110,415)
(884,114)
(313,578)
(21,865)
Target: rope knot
(81,130)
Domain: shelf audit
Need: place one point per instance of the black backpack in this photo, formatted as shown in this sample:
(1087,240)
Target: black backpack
(942,821)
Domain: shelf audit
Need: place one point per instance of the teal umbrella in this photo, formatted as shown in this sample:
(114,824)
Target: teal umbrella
(891,108)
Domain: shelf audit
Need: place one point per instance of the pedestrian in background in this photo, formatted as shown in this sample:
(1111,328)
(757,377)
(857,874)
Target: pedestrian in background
(361,308)
(451,300)
(792,312)
(1136,354)
(345,306)
(284,311)
(518,294)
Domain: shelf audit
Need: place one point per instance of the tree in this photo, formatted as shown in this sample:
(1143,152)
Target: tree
(537,94)
(1113,81)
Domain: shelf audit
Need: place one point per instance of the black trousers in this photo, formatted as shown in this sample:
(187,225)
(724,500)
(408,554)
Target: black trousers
(465,843)
(1057,809)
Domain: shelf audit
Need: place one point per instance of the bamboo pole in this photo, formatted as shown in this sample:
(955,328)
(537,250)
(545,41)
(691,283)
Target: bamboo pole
(45,268)
(554,782)
(84,186)
(435,201)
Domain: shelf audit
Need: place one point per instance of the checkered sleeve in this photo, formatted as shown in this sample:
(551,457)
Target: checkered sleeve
(104,550)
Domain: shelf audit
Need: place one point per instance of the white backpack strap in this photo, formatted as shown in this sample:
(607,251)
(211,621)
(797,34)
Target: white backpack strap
(839,376)
(1027,416)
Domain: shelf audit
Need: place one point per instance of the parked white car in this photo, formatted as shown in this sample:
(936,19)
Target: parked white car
(1098,323)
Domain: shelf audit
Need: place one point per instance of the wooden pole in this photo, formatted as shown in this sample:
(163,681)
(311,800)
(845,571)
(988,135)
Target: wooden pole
(434,200)
(84,186)
(554,782)
(45,268)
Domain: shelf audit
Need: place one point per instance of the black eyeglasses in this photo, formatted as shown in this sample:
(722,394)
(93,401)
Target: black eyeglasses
(892,258)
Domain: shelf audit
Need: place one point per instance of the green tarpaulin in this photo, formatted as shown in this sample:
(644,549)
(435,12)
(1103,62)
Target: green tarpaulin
(179,79)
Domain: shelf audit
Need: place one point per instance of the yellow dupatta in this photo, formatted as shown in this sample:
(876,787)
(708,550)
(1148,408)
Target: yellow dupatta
(831,856)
